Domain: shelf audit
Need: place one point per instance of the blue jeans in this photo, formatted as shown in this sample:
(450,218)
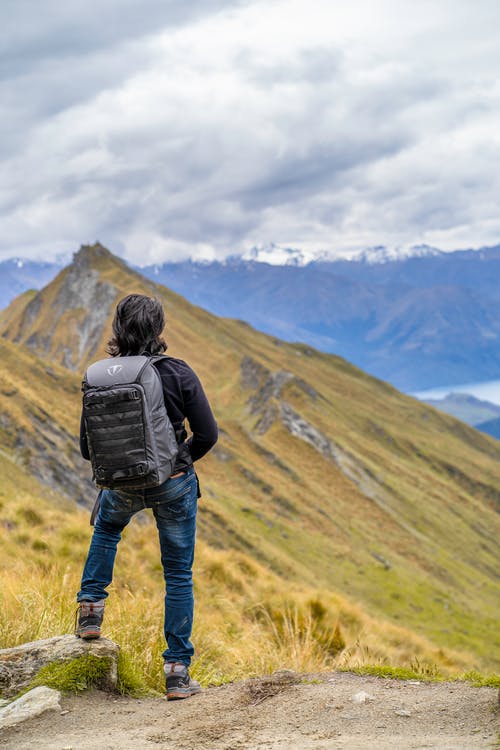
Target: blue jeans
(174,505)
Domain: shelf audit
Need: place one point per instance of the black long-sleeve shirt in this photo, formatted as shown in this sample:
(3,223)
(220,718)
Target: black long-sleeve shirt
(184,399)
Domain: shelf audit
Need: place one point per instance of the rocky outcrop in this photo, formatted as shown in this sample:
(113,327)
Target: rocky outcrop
(20,665)
(33,703)
(299,427)
(84,289)
(51,454)
(268,389)
(268,404)
(348,464)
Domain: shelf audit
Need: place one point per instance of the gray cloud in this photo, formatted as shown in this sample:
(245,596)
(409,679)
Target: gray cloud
(315,66)
(38,30)
(167,129)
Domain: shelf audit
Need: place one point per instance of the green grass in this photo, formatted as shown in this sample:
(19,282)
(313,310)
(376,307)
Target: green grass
(425,673)
(481,680)
(73,676)
(89,671)
(130,681)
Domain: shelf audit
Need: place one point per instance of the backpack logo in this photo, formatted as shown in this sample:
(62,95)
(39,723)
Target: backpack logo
(114,370)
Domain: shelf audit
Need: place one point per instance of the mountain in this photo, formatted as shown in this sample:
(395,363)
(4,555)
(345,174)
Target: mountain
(383,254)
(17,275)
(324,476)
(468,269)
(418,322)
(276,255)
(471,410)
(490,427)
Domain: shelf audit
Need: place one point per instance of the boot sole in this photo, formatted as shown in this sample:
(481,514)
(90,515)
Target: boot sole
(89,636)
(178,695)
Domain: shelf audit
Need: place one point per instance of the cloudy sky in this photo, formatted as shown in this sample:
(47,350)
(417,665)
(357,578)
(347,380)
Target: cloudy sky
(168,129)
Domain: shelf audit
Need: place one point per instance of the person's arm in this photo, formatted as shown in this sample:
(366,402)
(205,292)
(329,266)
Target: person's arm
(199,415)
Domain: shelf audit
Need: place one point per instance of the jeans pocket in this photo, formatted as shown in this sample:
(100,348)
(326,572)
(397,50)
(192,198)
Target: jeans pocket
(180,508)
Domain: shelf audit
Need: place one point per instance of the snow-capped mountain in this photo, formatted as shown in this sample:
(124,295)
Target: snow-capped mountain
(416,316)
(276,255)
(383,254)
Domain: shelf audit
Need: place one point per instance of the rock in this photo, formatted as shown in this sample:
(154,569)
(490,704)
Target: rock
(252,373)
(32,703)
(403,712)
(381,559)
(20,665)
(362,697)
(299,427)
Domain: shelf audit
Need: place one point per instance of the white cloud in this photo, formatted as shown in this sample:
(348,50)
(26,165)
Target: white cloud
(311,123)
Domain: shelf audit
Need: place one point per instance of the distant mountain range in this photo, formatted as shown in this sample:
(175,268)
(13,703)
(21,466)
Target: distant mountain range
(17,275)
(417,317)
(276,255)
(421,321)
(483,415)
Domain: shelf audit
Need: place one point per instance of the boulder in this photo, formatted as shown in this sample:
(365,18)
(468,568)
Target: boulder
(21,664)
(33,703)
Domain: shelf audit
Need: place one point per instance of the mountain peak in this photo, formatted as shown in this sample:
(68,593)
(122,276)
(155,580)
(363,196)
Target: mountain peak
(384,254)
(276,255)
(87,254)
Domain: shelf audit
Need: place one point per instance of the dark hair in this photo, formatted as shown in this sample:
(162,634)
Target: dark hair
(137,326)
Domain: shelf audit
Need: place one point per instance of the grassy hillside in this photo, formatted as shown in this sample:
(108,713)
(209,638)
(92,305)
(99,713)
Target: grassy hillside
(246,624)
(39,422)
(324,478)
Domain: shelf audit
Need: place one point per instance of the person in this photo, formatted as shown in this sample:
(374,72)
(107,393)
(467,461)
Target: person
(137,329)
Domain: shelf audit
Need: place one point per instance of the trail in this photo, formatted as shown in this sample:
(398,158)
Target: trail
(316,713)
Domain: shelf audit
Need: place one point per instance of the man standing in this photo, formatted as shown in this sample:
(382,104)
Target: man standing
(137,327)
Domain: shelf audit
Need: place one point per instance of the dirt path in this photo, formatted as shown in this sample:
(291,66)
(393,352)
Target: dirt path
(318,713)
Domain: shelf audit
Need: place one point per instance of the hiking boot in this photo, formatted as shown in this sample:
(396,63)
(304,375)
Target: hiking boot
(179,683)
(89,616)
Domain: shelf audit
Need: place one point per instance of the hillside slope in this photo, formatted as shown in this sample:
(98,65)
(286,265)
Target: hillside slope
(323,474)
(246,622)
(39,421)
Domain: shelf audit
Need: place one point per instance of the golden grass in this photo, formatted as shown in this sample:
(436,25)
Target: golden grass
(245,624)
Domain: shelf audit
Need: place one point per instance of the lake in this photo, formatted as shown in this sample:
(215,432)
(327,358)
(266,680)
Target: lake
(486,391)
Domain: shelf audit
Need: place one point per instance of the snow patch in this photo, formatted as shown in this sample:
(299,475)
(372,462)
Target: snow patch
(276,255)
(383,254)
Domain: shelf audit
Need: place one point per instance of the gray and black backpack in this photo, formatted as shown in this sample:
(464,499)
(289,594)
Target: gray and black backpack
(131,440)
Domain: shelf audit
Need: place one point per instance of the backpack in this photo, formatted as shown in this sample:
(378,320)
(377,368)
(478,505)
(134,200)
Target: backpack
(131,440)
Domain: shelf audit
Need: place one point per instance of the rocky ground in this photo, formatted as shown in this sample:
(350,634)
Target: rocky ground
(313,712)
